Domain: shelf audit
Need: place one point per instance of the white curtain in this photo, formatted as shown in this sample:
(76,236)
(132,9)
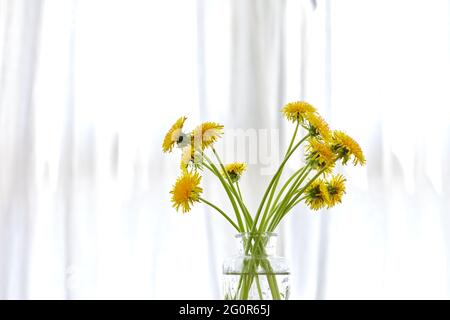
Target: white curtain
(89,88)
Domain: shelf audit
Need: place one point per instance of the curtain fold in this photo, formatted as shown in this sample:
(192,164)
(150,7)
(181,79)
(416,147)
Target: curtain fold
(20,27)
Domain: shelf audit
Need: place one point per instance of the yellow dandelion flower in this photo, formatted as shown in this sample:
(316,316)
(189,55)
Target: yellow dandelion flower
(320,155)
(316,195)
(346,147)
(336,190)
(296,111)
(186,191)
(174,135)
(206,134)
(318,127)
(235,170)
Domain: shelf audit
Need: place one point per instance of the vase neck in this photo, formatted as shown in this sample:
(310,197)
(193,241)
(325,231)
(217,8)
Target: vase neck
(257,244)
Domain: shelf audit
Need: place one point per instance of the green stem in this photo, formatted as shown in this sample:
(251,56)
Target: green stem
(296,203)
(275,205)
(250,275)
(216,172)
(300,192)
(258,285)
(290,205)
(274,187)
(280,169)
(289,194)
(221,212)
(293,138)
(247,216)
(281,208)
(239,190)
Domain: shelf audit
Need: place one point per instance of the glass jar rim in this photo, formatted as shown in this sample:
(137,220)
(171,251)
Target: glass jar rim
(253,234)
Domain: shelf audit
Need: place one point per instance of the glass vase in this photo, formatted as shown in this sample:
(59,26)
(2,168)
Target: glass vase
(256,272)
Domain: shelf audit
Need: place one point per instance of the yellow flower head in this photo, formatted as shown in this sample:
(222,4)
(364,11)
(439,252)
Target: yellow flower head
(318,127)
(234,170)
(206,134)
(186,191)
(174,135)
(317,195)
(296,111)
(346,147)
(336,190)
(320,155)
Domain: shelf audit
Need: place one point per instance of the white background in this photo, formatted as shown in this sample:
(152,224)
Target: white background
(89,88)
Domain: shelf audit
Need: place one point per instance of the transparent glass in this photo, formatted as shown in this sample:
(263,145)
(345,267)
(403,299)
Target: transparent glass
(256,272)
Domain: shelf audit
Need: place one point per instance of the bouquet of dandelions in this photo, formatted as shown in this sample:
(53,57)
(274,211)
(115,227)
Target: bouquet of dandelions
(312,183)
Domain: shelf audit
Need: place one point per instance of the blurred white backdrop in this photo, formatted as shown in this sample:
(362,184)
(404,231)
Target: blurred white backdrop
(89,88)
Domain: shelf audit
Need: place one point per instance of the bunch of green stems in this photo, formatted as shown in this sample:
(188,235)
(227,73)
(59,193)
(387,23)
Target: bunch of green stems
(274,206)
